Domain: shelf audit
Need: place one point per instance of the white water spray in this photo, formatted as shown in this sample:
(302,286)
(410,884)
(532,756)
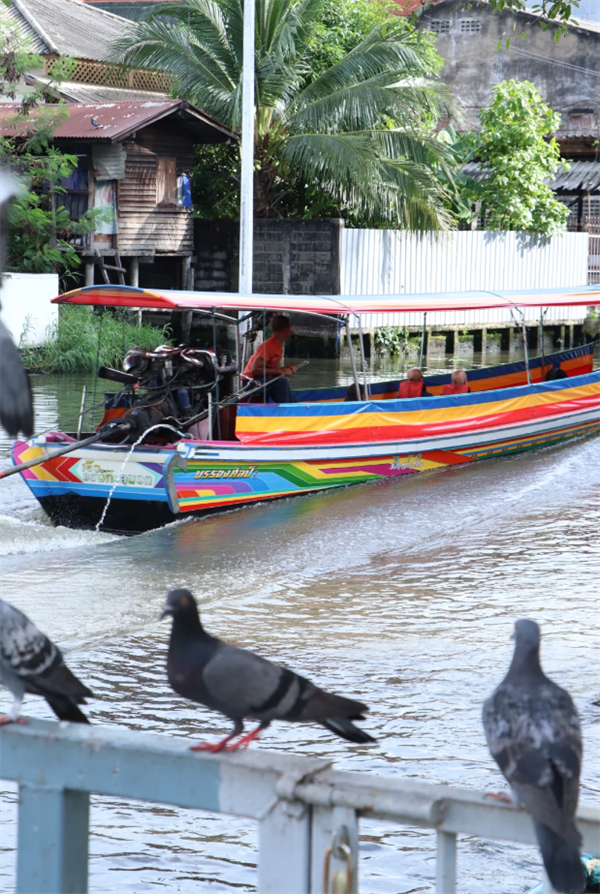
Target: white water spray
(124,463)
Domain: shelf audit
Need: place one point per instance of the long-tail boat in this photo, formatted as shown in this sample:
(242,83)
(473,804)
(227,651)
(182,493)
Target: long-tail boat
(187,435)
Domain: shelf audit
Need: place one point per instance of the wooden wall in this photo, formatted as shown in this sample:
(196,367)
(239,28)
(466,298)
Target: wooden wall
(145,226)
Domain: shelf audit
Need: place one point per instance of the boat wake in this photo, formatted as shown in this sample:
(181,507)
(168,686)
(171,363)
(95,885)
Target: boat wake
(20,536)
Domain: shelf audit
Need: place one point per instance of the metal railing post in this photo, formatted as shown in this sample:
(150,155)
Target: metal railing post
(445,866)
(53,835)
(326,822)
(284,850)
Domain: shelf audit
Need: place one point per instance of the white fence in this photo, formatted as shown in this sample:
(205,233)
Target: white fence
(393,262)
(26,307)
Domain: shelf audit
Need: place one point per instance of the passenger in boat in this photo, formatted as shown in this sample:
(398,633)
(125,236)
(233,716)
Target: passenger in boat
(557,372)
(351,393)
(263,365)
(458,383)
(414,386)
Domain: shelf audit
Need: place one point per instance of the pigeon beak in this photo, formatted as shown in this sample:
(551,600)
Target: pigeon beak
(167,611)
(513,635)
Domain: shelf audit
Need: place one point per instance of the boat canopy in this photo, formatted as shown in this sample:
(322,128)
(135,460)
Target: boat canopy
(424,302)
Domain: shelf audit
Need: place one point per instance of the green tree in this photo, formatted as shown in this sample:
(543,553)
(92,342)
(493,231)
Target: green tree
(519,161)
(359,132)
(40,228)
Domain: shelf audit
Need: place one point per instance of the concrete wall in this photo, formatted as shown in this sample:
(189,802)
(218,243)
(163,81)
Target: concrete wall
(566,73)
(290,256)
(26,305)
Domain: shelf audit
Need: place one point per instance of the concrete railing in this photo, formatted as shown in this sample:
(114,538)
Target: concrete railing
(308,814)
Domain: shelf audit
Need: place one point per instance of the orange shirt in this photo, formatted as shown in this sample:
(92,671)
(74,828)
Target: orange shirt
(271,351)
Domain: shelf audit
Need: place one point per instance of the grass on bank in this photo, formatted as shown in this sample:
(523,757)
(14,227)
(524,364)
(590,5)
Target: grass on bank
(82,340)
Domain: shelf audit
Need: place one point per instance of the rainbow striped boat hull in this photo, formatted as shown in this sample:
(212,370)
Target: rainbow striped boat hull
(320,443)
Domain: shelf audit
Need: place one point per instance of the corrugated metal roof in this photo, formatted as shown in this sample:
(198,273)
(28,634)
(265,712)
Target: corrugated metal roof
(581,175)
(10,16)
(115,120)
(69,27)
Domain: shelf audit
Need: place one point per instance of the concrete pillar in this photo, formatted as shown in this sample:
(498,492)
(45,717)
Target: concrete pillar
(571,335)
(89,273)
(515,339)
(134,272)
(562,337)
(483,342)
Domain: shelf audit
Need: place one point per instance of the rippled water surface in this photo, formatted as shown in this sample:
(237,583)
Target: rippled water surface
(402,594)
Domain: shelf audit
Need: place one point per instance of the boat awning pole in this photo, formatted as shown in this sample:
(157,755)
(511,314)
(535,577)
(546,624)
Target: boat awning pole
(363,358)
(247,167)
(423,336)
(542,315)
(352,361)
(525,347)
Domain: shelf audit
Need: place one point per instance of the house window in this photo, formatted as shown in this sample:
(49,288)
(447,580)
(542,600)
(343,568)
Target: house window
(470,26)
(440,26)
(166,181)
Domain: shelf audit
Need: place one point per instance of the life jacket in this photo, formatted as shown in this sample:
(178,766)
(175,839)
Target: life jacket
(455,389)
(410,389)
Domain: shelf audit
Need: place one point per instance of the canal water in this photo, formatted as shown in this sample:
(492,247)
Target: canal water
(402,594)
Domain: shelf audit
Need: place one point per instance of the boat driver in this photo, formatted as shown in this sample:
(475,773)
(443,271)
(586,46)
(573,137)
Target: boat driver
(264,366)
(414,386)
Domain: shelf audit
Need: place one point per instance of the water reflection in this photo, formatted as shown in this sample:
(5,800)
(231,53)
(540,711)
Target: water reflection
(402,594)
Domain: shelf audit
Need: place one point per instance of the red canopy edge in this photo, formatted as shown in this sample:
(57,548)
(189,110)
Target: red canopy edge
(130,296)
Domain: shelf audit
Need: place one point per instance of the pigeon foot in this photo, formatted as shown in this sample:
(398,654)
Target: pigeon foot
(5,719)
(213,747)
(503,797)
(245,740)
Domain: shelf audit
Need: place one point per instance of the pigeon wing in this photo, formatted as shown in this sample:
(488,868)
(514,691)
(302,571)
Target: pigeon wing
(24,649)
(32,657)
(242,684)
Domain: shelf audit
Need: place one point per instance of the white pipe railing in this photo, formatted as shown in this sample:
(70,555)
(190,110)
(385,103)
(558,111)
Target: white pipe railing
(303,807)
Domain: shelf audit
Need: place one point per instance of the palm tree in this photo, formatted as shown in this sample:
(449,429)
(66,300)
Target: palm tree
(362,130)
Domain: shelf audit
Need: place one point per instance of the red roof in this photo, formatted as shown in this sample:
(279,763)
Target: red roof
(113,120)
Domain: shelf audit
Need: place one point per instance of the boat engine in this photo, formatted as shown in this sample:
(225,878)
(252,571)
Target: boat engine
(170,385)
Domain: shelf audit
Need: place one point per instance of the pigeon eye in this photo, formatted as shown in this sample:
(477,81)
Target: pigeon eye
(185,600)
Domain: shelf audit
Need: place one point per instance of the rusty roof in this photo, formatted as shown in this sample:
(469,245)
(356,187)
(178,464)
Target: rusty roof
(114,121)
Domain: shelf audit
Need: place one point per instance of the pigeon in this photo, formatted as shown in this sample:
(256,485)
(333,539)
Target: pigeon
(242,685)
(95,122)
(533,733)
(16,407)
(30,662)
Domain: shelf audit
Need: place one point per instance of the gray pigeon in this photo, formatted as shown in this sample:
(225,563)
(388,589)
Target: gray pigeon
(242,685)
(16,407)
(30,662)
(532,729)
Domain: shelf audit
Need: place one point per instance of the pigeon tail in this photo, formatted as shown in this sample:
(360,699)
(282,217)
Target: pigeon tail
(562,858)
(345,729)
(66,709)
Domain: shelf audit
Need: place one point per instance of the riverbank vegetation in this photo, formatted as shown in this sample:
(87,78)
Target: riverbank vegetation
(83,339)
